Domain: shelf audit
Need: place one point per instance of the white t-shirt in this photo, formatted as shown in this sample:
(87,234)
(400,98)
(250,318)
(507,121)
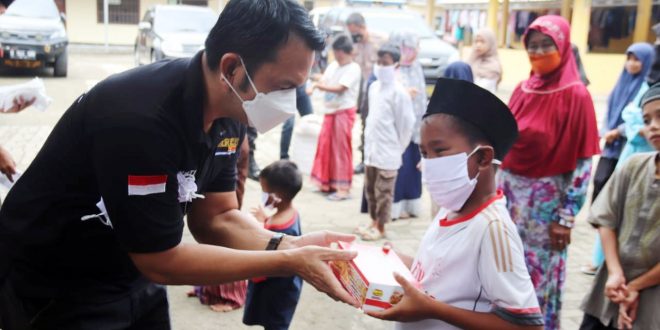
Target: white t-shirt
(476,263)
(348,75)
(389,125)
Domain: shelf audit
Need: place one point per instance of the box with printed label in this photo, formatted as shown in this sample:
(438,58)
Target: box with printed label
(369,277)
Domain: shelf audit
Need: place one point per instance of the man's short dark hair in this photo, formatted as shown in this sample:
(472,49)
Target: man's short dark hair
(391,49)
(343,43)
(256,30)
(356,19)
(283,178)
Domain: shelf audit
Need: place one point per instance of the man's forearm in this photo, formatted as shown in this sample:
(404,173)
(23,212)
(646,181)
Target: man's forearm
(200,264)
(233,229)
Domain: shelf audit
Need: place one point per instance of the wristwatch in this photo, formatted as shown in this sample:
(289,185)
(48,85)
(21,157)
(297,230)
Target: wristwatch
(275,241)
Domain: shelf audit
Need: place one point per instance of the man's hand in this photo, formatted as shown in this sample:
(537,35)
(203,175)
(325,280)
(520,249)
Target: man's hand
(20,103)
(611,136)
(560,236)
(414,306)
(312,264)
(7,164)
(628,308)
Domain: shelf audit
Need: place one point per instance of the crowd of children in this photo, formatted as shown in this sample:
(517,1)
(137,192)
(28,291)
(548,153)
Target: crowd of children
(507,183)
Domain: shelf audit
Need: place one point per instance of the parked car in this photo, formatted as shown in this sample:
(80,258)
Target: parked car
(434,54)
(172,31)
(32,35)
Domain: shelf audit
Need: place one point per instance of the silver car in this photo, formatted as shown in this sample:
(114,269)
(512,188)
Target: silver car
(32,35)
(172,31)
(434,54)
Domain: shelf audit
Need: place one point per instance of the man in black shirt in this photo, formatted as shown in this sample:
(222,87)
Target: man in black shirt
(98,216)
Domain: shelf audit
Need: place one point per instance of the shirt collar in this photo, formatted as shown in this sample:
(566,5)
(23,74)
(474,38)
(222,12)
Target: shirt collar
(194,93)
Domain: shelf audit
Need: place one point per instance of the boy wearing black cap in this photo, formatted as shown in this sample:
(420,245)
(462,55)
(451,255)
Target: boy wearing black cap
(471,260)
(387,133)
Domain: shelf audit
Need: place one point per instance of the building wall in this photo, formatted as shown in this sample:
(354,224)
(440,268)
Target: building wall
(82,25)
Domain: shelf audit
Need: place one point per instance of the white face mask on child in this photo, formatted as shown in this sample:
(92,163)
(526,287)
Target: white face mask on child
(448,180)
(268,201)
(386,74)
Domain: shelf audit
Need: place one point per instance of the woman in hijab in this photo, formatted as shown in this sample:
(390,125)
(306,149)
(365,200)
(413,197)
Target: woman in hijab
(408,189)
(637,66)
(546,174)
(484,61)
(631,82)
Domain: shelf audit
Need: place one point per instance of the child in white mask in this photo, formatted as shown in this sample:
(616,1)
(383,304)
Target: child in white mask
(387,133)
(471,261)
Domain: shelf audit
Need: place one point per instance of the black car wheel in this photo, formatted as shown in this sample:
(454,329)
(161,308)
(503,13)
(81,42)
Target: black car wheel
(61,65)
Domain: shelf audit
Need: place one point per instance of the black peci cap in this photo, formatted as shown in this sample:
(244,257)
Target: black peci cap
(478,107)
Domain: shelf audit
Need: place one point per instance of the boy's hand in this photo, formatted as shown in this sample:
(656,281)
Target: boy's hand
(560,236)
(319,238)
(414,306)
(413,92)
(614,287)
(628,308)
(7,164)
(259,213)
(611,136)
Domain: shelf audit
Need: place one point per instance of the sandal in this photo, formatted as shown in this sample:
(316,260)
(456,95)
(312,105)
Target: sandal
(372,235)
(337,198)
(360,230)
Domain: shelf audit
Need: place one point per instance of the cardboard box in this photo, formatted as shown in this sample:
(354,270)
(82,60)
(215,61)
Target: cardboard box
(369,277)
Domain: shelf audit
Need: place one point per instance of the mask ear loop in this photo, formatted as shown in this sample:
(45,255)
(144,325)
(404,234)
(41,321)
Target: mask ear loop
(248,76)
(494,161)
(222,75)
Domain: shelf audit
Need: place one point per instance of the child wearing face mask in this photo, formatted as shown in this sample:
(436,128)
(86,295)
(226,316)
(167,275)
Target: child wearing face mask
(271,302)
(470,263)
(387,134)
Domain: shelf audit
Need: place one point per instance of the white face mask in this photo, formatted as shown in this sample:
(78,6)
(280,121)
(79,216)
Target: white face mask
(448,180)
(266,111)
(385,74)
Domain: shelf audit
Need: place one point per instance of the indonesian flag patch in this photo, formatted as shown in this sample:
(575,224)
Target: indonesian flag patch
(146,184)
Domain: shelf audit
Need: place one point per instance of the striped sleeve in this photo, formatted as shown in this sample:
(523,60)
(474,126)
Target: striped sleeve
(504,275)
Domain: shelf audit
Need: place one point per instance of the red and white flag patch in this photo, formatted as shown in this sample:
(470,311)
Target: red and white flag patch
(146,184)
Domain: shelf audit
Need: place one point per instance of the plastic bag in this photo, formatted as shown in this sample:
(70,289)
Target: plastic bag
(33,89)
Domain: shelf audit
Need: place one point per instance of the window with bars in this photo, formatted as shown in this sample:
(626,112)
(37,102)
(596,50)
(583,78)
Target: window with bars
(119,11)
(204,3)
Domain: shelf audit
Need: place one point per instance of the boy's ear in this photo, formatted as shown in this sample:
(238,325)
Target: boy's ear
(486,157)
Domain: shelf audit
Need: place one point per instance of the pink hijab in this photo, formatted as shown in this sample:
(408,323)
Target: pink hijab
(486,65)
(555,113)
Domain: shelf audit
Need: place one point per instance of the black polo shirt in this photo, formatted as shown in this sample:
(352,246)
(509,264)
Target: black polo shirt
(128,142)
